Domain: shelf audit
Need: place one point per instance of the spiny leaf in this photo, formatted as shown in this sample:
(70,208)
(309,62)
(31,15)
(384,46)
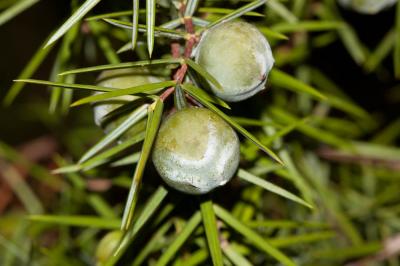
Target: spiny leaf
(153,122)
(239,128)
(203,72)
(128,91)
(123,65)
(150,23)
(83,221)
(219,10)
(252,236)
(111,15)
(158,31)
(78,14)
(211,228)
(65,85)
(204,95)
(173,248)
(100,158)
(133,118)
(191,7)
(16,9)
(237,13)
(271,187)
(135,22)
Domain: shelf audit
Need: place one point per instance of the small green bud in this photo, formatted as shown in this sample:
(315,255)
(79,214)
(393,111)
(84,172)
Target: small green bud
(238,56)
(196,151)
(107,245)
(367,6)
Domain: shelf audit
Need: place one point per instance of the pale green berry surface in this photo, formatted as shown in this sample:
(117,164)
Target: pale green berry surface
(367,6)
(238,56)
(107,245)
(196,151)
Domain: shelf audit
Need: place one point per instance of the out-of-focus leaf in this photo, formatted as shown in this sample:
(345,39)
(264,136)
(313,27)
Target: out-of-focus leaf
(151,245)
(313,132)
(235,256)
(173,248)
(16,9)
(252,236)
(271,187)
(396,54)
(382,50)
(301,239)
(104,43)
(341,254)
(27,72)
(78,14)
(281,79)
(316,25)
(280,9)
(269,33)
(82,221)
(21,189)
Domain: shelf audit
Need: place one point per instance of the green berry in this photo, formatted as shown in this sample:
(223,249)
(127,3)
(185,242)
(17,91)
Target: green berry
(367,6)
(107,245)
(238,56)
(196,151)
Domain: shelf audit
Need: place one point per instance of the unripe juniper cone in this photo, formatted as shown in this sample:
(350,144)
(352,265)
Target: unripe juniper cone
(238,56)
(119,79)
(196,151)
(107,245)
(367,6)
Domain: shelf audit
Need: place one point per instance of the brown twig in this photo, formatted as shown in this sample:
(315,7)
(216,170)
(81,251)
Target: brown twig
(180,73)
